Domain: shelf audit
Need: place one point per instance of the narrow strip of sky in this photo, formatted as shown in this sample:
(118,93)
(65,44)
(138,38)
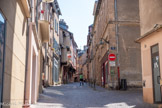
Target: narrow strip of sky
(78,16)
(1,18)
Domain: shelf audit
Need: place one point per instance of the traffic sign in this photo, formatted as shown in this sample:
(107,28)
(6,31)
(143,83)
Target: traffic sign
(112,57)
(112,63)
(113,48)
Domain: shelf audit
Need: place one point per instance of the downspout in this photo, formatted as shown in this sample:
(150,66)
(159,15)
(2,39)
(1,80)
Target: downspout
(27,51)
(117,42)
(26,67)
(92,61)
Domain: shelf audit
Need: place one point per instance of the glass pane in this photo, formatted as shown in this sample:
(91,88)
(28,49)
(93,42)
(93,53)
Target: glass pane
(155,49)
(2,28)
(2,33)
(1,18)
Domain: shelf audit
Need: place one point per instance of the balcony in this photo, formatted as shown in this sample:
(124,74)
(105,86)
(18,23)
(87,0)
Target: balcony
(43,22)
(26,7)
(64,57)
(44,30)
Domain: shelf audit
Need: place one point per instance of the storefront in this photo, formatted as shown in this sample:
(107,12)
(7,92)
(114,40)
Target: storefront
(55,72)
(104,74)
(105,71)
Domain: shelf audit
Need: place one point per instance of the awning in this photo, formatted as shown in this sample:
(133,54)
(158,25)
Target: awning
(26,7)
(44,30)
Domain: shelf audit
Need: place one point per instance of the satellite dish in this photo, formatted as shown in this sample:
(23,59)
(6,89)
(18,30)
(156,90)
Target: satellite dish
(48,1)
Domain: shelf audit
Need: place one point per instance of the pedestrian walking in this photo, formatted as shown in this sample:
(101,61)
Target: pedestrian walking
(81,79)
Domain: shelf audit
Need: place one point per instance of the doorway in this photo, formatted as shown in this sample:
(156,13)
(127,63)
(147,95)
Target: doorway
(103,75)
(106,72)
(2,52)
(55,71)
(34,79)
(156,73)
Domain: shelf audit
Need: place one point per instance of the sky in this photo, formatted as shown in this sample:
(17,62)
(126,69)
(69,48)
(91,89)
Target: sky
(78,15)
(1,18)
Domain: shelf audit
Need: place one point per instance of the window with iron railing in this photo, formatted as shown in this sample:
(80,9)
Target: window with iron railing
(55,25)
(44,11)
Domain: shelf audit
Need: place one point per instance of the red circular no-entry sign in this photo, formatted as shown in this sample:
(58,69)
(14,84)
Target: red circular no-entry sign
(112,57)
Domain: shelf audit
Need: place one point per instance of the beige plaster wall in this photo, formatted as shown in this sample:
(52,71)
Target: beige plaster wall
(155,38)
(15,53)
(150,14)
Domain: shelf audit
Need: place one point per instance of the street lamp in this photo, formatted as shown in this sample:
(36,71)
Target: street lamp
(102,40)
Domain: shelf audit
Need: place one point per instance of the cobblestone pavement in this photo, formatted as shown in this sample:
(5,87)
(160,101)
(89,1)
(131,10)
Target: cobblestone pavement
(75,96)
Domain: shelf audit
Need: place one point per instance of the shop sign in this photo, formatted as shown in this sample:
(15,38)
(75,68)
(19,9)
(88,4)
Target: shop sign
(112,72)
(113,48)
(112,63)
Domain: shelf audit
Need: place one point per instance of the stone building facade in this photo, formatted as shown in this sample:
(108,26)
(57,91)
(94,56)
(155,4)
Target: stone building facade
(89,53)
(13,48)
(84,66)
(56,45)
(82,63)
(24,39)
(116,26)
(68,54)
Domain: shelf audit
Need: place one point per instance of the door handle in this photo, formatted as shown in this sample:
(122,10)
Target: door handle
(158,79)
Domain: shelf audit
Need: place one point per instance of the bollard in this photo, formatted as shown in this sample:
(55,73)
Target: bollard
(94,82)
(90,83)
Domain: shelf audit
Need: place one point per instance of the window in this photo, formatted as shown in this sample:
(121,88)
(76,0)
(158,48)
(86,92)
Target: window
(55,71)
(55,25)
(2,43)
(156,72)
(57,28)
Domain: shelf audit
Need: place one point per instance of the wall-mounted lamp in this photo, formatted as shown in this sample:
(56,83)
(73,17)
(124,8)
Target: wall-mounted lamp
(102,41)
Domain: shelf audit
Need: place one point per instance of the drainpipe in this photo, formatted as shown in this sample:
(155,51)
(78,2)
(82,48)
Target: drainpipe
(32,11)
(92,63)
(31,19)
(26,67)
(27,53)
(117,42)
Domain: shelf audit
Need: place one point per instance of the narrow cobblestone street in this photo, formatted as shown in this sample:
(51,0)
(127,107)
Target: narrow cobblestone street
(75,96)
